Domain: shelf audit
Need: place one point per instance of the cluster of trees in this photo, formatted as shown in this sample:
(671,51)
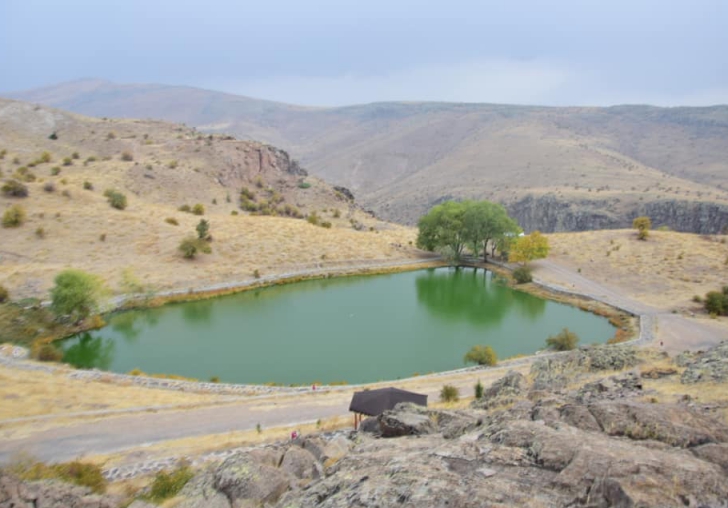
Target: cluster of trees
(477,225)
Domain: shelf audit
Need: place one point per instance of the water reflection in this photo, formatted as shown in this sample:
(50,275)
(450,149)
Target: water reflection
(197,313)
(463,294)
(90,352)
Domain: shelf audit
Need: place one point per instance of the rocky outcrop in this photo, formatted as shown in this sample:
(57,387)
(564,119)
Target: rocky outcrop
(711,366)
(551,214)
(49,494)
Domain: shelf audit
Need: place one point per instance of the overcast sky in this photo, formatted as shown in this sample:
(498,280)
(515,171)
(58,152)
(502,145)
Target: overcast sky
(335,52)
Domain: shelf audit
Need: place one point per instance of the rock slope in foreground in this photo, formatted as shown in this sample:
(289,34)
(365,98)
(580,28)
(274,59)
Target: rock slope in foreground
(580,430)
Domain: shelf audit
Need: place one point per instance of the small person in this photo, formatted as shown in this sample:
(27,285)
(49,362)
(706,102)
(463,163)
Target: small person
(294,435)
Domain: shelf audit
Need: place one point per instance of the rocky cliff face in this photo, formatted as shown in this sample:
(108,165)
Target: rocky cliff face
(550,214)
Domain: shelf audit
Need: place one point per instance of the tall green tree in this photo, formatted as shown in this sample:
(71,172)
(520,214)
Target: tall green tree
(476,224)
(76,294)
(485,222)
(443,227)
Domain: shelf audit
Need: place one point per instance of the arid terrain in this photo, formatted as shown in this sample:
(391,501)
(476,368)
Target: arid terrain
(160,167)
(556,169)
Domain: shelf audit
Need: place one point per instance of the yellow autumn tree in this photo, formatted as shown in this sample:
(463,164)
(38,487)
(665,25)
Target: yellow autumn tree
(529,247)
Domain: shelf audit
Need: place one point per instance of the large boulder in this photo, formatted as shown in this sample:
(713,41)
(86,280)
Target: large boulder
(507,389)
(406,420)
(300,463)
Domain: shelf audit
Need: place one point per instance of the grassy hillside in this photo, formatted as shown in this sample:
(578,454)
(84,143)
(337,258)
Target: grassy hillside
(160,167)
(400,158)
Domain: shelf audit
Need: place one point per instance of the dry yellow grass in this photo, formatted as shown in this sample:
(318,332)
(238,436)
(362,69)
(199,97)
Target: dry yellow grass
(25,393)
(665,271)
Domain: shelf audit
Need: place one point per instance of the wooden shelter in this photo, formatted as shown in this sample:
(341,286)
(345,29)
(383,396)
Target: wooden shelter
(375,402)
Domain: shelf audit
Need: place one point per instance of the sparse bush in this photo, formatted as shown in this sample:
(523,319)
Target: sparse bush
(478,390)
(127,156)
(3,153)
(259,182)
(44,158)
(111,135)
(24,174)
(53,136)
(66,193)
(48,353)
(88,185)
(49,187)
(190,246)
(449,393)
(202,228)
(326,224)
(198,209)
(172,164)
(185,208)
(337,213)
(304,185)
(247,194)
(171,220)
(75,156)
(4,295)
(89,160)
(102,237)
(234,212)
(256,273)
(40,232)
(167,485)
(116,199)
(482,355)
(67,161)
(14,217)
(522,275)
(313,218)
(697,299)
(55,171)
(214,379)
(565,340)
(642,225)
(716,302)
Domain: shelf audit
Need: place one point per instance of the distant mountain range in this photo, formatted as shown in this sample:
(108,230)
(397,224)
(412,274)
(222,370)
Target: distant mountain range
(555,168)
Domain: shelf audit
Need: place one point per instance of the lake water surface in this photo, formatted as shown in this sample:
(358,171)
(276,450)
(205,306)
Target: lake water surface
(353,329)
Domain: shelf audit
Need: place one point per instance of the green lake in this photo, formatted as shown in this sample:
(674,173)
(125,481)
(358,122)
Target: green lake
(353,329)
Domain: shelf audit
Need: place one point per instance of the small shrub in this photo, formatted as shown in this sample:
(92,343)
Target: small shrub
(449,393)
(642,225)
(64,181)
(102,237)
(482,355)
(198,209)
(256,273)
(171,220)
(49,353)
(565,340)
(185,208)
(716,302)
(172,164)
(188,248)
(697,299)
(44,158)
(116,200)
(53,136)
(75,156)
(3,153)
(127,156)
(203,229)
(66,193)
(522,275)
(259,182)
(111,135)
(234,212)
(14,188)
(326,224)
(214,379)
(478,390)
(167,485)
(88,185)
(67,161)
(4,295)
(14,217)
(313,218)
(304,185)
(55,171)
(247,194)
(337,213)
(89,160)
(40,232)
(49,187)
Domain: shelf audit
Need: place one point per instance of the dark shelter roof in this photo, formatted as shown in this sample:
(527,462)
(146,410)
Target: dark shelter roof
(375,402)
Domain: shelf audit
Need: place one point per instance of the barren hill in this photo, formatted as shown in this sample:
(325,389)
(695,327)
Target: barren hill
(555,168)
(161,167)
